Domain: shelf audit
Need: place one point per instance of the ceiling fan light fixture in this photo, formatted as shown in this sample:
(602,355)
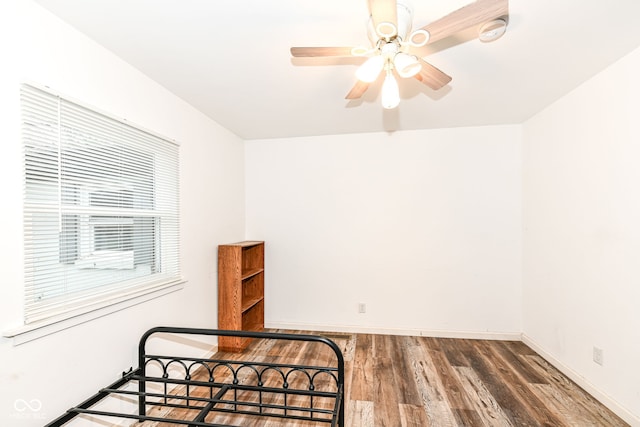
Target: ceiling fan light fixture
(419,38)
(406,65)
(390,92)
(386,29)
(369,71)
(360,51)
(492,30)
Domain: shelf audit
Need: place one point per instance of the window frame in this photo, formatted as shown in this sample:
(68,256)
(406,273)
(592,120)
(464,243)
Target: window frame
(114,296)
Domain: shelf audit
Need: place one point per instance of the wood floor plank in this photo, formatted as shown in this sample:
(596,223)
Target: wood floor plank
(451,349)
(359,414)
(580,399)
(407,390)
(346,343)
(490,373)
(486,406)
(413,416)
(455,394)
(468,417)
(386,411)
(348,378)
(520,348)
(563,405)
(362,377)
(516,363)
(283,349)
(519,387)
(382,346)
(437,408)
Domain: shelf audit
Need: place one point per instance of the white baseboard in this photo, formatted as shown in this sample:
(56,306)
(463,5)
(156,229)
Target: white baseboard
(603,398)
(503,336)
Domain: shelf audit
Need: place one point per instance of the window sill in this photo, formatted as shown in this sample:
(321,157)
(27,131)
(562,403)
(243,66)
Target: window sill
(26,333)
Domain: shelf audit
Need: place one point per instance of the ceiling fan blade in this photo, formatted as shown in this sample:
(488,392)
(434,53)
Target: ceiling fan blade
(473,14)
(305,52)
(431,76)
(384,11)
(357,90)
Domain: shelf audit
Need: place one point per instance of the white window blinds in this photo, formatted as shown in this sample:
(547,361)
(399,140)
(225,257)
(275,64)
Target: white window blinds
(100,208)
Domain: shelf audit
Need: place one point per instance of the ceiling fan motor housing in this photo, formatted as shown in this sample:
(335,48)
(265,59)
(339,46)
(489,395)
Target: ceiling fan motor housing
(405,17)
(389,30)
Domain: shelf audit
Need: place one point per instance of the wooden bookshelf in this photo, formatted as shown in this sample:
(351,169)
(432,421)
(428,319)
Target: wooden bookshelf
(240,291)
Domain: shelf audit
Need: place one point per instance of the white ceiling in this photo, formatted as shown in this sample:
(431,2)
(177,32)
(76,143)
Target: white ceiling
(230,59)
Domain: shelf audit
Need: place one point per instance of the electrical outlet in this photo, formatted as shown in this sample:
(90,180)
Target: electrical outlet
(598,356)
(362,308)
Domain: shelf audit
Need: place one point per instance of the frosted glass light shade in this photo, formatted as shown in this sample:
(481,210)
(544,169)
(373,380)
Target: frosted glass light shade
(368,72)
(406,65)
(390,92)
(492,31)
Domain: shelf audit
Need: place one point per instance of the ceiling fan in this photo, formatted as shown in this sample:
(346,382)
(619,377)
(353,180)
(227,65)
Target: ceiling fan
(389,30)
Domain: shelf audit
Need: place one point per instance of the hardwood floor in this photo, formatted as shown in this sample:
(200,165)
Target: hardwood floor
(400,381)
(419,381)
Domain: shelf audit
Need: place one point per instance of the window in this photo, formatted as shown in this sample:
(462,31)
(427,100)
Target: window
(100,208)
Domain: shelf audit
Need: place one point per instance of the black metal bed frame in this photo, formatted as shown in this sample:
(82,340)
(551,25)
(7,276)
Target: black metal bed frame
(247,388)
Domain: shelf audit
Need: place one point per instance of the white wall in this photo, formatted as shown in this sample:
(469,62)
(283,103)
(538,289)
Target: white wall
(66,367)
(582,234)
(424,227)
